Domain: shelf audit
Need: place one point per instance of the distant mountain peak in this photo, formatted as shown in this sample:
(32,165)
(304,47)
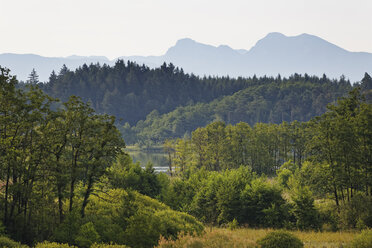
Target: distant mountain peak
(185,41)
(307,35)
(277,43)
(274,35)
(277,35)
(275,53)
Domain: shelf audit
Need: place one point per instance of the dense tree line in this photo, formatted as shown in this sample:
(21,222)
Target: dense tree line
(327,157)
(263,147)
(272,100)
(130,91)
(165,102)
(54,169)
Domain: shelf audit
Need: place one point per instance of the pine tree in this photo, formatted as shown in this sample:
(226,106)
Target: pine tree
(33,78)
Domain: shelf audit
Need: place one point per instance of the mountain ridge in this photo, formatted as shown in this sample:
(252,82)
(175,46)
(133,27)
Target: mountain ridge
(274,54)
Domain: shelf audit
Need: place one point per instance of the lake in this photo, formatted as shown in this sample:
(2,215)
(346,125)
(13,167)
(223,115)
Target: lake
(157,158)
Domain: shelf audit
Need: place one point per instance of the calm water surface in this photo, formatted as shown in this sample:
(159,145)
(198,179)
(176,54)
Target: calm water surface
(157,158)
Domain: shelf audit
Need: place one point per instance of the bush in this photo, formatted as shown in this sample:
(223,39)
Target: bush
(47,244)
(108,246)
(87,235)
(233,224)
(280,239)
(327,215)
(357,213)
(67,231)
(129,218)
(262,204)
(7,242)
(363,240)
(128,175)
(307,216)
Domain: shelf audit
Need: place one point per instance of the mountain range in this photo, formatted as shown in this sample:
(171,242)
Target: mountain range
(274,54)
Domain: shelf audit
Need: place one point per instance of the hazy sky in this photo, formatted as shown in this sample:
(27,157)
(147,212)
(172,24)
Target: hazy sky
(148,27)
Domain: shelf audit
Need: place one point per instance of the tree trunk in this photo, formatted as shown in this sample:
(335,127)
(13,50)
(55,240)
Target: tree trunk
(86,196)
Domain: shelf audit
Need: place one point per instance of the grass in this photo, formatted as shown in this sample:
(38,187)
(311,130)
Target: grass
(246,238)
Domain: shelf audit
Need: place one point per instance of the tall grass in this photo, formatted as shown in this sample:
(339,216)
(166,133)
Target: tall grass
(246,238)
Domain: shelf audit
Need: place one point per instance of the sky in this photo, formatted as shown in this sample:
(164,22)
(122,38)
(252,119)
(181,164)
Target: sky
(113,28)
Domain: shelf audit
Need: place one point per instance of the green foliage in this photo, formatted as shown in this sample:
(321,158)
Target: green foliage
(285,172)
(47,152)
(69,228)
(87,235)
(316,177)
(132,91)
(363,240)
(178,194)
(7,242)
(108,246)
(262,147)
(136,220)
(283,177)
(263,205)
(128,175)
(221,197)
(280,239)
(233,224)
(327,215)
(47,244)
(328,171)
(266,100)
(357,213)
(341,145)
(64,174)
(217,195)
(307,216)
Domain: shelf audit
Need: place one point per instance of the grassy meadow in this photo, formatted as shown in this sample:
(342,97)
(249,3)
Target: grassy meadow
(246,238)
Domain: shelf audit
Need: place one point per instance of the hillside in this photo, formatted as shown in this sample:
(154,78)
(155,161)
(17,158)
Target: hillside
(165,102)
(270,100)
(130,92)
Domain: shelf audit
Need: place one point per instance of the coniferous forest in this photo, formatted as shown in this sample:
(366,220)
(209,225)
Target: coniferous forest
(154,104)
(283,153)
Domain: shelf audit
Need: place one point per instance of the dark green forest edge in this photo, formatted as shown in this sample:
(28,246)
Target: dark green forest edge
(65,176)
(154,104)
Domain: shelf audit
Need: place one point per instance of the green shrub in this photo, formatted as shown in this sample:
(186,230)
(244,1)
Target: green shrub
(47,244)
(67,231)
(9,243)
(357,213)
(283,177)
(280,239)
(363,240)
(233,224)
(130,218)
(307,216)
(87,235)
(327,215)
(128,175)
(108,246)
(262,204)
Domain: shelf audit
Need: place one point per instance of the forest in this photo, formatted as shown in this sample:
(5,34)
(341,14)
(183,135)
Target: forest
(152,105)
(67,181)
